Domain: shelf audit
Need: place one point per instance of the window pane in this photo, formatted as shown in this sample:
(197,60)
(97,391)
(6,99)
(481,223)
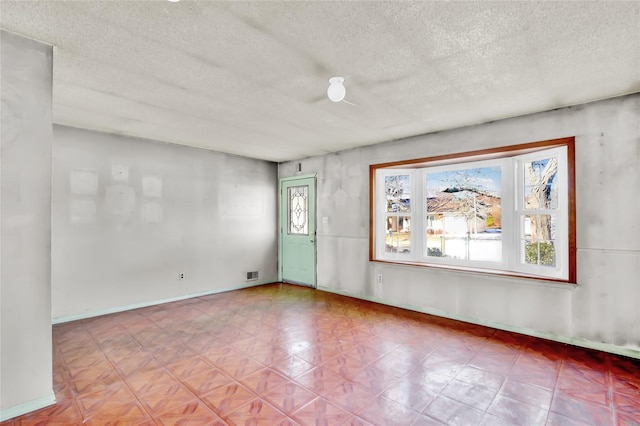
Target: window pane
(540,184)
(539,240)
(398,237)
(298,210)
(398,193)
(539,253)
(464,214)
(481,247)
(539,227)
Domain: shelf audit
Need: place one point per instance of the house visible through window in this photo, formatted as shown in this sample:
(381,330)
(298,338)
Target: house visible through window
(509,211)
(463,213)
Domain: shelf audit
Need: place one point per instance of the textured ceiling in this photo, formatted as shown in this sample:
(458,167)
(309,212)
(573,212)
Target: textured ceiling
(250,78)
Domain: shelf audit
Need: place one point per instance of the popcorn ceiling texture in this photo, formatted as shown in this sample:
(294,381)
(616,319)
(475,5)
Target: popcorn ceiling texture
(250,78)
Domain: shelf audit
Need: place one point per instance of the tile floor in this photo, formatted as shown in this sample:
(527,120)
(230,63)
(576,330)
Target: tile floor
(286,355)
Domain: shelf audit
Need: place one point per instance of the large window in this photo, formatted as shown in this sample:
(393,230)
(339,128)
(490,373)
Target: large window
(509,211)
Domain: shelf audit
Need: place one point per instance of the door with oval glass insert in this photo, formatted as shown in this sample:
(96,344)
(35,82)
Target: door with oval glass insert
(298,230)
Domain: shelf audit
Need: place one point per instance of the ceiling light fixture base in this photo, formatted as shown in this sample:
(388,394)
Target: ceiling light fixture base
(336,91)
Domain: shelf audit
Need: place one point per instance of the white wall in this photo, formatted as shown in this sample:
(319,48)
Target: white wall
(25,229)
(605,306)
(130,215)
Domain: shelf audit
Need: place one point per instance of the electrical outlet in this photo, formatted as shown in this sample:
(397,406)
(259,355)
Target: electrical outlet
(181,276)
(379,278)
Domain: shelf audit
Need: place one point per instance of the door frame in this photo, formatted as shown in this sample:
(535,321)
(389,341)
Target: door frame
(281,228)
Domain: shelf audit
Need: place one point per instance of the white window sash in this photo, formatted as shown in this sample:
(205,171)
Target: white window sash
(382,214)
(561,214)
(512,213)
(505,185)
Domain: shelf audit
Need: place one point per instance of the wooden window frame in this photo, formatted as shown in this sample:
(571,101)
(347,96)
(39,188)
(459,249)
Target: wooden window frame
(486,154)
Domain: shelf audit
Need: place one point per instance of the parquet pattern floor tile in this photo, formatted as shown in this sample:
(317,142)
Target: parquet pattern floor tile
(281,354)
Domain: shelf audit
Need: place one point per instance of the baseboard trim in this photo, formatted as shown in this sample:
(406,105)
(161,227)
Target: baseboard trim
(61,320)
(589,344)
(27,407)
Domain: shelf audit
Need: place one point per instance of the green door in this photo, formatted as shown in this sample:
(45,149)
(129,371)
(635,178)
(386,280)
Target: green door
(298,230)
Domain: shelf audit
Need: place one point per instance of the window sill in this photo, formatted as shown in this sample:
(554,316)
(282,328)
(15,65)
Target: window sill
(526,279)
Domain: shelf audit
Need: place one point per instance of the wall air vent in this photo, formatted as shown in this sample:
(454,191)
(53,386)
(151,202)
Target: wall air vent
(252,276)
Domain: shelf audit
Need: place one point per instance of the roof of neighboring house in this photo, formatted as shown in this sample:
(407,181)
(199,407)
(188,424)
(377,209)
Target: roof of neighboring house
(455,202)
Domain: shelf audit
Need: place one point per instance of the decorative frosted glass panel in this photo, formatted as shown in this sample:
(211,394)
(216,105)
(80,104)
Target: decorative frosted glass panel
(398,238)
(464,214)
(397,191)
(540,184)
(298,210)
(539,240)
